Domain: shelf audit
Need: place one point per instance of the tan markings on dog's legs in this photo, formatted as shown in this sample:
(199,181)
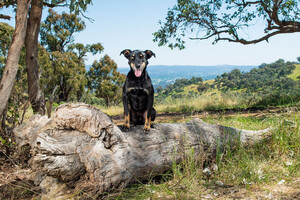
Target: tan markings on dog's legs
(147,124)
(126,121)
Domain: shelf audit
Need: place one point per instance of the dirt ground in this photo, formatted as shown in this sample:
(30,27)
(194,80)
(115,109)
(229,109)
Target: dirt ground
(16,183)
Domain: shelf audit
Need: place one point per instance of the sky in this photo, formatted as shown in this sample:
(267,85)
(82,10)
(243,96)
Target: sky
(130,24)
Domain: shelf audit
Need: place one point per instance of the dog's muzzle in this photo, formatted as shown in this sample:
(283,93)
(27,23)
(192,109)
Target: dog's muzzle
(138,70)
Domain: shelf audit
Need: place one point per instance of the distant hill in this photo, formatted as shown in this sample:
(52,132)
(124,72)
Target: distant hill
(273,84)
(163,75)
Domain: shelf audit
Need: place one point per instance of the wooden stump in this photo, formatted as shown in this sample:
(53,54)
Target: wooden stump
(81,144)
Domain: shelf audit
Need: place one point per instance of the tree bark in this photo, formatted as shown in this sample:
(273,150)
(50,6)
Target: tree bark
(3,121)
(50,102)
(31,44)
(11,64)
(80,146)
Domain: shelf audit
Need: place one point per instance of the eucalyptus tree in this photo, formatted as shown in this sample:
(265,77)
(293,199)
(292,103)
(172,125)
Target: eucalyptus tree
(228,20)
(106,81)
(28,18)
(67,71)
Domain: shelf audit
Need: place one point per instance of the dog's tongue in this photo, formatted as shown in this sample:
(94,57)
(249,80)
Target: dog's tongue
(138,73)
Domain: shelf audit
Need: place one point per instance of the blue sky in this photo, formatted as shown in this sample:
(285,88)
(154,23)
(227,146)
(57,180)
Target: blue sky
(129,24)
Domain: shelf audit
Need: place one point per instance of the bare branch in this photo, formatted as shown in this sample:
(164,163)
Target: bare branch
(244,4)
(243,41)
(58,4)
(88,18)
(7,17)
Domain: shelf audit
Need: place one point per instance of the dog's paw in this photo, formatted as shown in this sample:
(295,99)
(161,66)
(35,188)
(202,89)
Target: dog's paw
(125,127)
(152,124)
(146,129)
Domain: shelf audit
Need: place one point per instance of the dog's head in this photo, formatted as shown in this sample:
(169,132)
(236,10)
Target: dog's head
(137,60)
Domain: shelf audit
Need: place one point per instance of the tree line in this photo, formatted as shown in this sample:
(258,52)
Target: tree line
(270,82)
(176,89)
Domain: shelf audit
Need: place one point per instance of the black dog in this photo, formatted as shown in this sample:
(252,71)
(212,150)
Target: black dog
(138,92)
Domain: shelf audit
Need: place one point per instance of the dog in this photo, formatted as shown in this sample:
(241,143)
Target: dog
(138,91)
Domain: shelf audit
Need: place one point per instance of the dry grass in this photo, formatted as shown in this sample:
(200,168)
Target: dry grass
(112,110)
(208,101)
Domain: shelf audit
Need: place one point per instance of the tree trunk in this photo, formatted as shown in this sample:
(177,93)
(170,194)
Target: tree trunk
(31,44)
(3,121)
(50,102)
(12,60)
(64,91)
(80,146)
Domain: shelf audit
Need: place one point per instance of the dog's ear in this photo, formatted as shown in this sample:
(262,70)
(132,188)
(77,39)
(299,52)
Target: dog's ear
(126,53)
(149,54)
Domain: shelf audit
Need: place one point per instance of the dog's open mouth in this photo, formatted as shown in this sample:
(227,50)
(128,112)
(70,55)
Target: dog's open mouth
(138,72)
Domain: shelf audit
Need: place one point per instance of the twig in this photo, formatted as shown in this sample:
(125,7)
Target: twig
(9,159)
(177,182)
(24,111)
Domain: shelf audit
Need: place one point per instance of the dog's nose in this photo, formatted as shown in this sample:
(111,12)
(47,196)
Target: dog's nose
(137,66)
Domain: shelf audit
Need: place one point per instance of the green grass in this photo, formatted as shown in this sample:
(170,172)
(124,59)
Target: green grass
(242,122)
(296,73)
(265,162)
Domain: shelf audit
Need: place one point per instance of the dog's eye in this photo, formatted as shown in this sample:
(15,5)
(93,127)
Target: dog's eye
(141,56)
(132,58)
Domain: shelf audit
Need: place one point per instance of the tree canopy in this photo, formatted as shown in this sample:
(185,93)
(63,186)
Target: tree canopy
(6,32)
(67,68)
(28,18)
(272,77)
(106,81)
(75,6)
(227,20)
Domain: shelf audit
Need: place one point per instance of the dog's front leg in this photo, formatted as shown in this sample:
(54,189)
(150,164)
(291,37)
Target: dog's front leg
(126,125)
(148,114)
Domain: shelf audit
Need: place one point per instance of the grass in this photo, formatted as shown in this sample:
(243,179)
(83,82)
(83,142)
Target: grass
(207,101)
(211,100)
(269,167)
(267,161)
(296,73)
(112,110)
(188,105)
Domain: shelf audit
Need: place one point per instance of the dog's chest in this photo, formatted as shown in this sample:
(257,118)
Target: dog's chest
(138,98)
(137,91)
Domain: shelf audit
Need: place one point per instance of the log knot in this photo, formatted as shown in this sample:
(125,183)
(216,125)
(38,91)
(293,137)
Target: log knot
(82,117)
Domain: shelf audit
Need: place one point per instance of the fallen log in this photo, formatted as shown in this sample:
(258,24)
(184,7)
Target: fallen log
(80,144)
